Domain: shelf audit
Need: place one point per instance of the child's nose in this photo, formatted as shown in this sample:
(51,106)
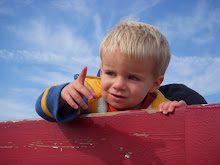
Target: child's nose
(119,84)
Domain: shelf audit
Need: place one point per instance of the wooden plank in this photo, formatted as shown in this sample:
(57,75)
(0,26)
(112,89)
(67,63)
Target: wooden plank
(189,136)
(202,135)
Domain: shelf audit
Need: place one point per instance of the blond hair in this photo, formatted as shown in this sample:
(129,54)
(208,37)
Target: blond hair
(138,41)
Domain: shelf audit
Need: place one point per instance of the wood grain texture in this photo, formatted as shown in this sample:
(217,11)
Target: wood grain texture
(191,135)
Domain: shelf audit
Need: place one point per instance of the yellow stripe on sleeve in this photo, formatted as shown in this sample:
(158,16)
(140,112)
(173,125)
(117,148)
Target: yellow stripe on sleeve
(44,102)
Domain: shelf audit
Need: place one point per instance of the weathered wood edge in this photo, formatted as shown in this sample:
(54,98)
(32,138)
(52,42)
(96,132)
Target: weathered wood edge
(150,111)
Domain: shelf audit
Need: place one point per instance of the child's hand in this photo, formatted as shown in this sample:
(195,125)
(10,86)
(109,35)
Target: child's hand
(169,106)
(73,92)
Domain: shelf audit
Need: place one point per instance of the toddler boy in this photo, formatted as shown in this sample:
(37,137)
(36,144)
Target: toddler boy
(134,58)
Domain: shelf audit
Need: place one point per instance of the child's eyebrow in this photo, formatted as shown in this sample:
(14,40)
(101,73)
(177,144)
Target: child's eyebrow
(137,74)
(105,67)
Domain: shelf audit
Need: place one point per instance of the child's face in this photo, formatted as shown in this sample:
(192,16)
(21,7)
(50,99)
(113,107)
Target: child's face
(125,83)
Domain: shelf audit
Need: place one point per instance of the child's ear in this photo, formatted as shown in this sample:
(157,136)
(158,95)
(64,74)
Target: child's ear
(100,68)
(156,84)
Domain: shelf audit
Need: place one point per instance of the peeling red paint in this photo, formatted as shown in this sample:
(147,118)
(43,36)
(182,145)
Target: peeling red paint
(189,136)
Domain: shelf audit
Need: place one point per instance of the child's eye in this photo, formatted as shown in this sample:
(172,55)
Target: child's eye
(133,78)
(110,73)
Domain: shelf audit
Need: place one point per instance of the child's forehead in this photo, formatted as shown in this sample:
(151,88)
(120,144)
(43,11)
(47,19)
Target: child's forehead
(130,64)
(124,64)
(110,55)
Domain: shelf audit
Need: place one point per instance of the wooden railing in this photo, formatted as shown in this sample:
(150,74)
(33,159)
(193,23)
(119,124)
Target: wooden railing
(191,135)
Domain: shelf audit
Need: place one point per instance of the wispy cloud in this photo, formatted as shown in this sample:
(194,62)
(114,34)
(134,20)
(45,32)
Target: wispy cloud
(56,38)
(199,26)
(19,103)
(142,5)
(81,7)
(14,109)
(136,8)
(32,56)
(65,63)
(59,45)
(199,73)
(98,28)
(49,78)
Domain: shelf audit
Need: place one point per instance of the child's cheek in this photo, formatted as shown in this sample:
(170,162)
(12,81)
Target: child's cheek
(103,86)
(139,92)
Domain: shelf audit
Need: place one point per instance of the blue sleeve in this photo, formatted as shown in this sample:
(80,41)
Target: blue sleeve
(47,106)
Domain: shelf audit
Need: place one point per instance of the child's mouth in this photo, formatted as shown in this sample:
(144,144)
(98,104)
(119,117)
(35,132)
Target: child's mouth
(118,96)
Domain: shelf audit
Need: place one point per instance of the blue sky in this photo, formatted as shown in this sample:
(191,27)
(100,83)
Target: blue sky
(45,42)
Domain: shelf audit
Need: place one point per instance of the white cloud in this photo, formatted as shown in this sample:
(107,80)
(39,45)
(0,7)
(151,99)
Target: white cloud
(138,7)
(56,45)
(31,56)
(56,38)
(142,5)
(14,109)
(18,103)
(15,92)
(50,78)
(198,73)
(98,28)
(59,75)
(199,26)
(64,63)
(81,7)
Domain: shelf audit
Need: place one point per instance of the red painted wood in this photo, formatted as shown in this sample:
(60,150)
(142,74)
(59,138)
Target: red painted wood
(189,136)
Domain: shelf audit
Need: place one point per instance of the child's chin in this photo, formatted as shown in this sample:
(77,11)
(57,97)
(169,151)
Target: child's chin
(118,106)
(121,108)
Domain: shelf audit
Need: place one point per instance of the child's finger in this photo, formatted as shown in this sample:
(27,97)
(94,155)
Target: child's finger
(78,99)
(70,101)
(92,93)
(172,106)
(88,93)
(84,91)
(82,75)
(164,107)
(181,103)
(176,104)
(161,106)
